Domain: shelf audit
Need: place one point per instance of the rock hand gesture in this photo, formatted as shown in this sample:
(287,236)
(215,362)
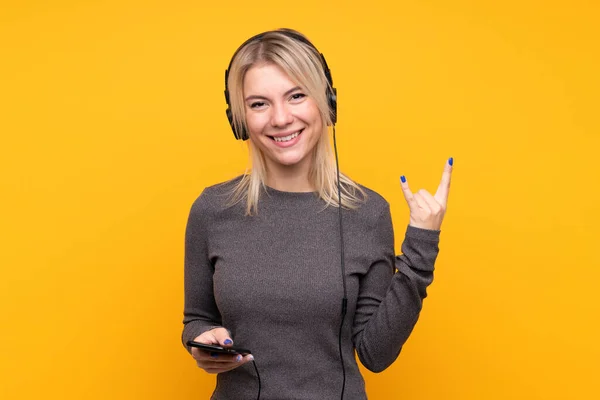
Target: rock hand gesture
(427,211)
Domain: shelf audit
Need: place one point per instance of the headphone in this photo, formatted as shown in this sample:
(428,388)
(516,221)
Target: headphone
(331,92)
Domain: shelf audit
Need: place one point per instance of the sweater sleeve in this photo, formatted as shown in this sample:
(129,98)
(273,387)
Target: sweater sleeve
(200,312)
(390,299)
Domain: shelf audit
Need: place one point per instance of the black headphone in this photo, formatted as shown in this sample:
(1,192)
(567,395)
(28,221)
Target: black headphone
(331,92)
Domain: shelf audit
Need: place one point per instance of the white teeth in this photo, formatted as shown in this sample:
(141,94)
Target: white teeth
(286,138)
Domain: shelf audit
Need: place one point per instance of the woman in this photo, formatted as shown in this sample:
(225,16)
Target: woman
(263,251)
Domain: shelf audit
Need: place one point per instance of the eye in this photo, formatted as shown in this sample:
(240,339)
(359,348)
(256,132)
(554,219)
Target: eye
(257,104)
(298,96)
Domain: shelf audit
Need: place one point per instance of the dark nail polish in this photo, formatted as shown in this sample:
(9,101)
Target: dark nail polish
(403,179)
(228,341)
(451,161)
(214,355)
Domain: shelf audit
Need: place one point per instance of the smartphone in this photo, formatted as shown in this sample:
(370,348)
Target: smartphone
(218,349)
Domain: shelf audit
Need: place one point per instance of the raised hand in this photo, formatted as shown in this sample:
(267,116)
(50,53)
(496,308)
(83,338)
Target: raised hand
(427,211)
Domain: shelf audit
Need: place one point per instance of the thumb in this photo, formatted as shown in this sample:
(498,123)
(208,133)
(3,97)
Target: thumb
(222,336)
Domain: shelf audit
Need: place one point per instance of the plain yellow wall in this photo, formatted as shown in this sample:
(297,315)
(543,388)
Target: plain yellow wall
(112,121)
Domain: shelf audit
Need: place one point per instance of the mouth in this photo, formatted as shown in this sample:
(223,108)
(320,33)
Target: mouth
(283,139)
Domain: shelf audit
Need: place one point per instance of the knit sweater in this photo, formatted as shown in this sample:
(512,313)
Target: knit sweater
(274,281)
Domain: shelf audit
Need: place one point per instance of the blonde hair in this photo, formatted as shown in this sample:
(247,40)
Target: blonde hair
(302,63)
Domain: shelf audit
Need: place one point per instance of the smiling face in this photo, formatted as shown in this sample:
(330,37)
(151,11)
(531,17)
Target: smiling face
(284,123)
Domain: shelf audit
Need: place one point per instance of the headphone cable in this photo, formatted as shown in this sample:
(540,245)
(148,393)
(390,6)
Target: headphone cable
(258,377)
(345,299)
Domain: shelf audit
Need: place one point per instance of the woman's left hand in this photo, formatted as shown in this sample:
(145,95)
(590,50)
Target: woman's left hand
(427,211)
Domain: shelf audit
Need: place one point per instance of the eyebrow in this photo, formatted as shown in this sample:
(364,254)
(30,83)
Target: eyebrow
(264,98)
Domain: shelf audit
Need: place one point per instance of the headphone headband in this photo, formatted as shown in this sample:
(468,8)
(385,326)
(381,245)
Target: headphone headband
(331,92)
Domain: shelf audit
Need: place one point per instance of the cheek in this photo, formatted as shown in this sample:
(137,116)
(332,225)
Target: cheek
(312,114)
(255,122)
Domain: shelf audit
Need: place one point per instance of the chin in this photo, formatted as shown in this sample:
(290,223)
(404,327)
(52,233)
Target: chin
(289,160)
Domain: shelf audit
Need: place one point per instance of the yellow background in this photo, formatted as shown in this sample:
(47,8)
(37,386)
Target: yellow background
(112,121)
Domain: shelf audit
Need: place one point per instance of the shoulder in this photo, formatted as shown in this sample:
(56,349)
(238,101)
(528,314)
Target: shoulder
(374,201)
(221,189)
(215,197)
(372,208)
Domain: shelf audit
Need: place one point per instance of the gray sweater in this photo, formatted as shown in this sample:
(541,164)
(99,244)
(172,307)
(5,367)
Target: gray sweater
(274,281)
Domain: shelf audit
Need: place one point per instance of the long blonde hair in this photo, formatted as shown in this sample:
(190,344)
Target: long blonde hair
(302,63)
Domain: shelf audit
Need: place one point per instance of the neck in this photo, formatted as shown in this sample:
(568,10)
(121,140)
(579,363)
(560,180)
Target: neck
(292,179)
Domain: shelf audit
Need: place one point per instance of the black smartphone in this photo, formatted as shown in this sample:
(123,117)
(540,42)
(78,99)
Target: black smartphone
(218,349)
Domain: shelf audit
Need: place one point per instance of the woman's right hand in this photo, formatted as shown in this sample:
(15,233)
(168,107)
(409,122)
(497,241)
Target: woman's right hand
(215,363)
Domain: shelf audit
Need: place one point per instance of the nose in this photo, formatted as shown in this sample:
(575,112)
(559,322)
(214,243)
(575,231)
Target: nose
(282,115)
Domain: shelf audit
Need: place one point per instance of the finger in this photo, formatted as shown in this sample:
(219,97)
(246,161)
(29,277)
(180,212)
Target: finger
(247,358)
(207,337)
(223,367)
(237,361)
(441,195)
(217,368)
(211,358)
(421,203)
(218,336)
(406,191)
(222,337)
(434,206)
(217,357)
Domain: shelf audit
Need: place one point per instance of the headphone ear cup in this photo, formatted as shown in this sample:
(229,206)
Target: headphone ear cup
(230,119)
(238,135)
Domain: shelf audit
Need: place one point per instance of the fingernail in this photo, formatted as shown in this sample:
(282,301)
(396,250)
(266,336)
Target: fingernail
(403,179)
(227,341)
(451,161)
(251,358)
(214,355)
(238,358)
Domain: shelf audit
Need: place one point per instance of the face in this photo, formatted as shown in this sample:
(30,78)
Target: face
(283,121)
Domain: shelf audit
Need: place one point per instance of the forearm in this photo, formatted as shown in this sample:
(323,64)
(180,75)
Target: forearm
(200,312)
(382,338)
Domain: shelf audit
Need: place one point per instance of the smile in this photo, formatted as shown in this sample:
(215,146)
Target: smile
(287,138)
